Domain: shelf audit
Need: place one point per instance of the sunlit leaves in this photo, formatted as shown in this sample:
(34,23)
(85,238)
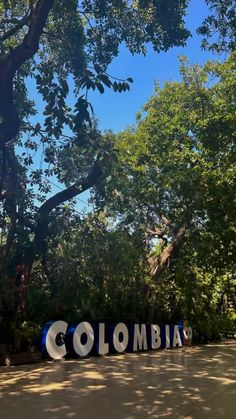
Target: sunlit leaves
(181,159)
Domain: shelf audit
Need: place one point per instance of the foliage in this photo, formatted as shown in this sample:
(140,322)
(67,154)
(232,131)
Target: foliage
(175,168)
(219,28)
(173,173)
(175,181)
(160,244)
(90,272)
(60,50)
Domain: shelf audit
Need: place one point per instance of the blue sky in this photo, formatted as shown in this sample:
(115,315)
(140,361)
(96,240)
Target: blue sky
(117,110)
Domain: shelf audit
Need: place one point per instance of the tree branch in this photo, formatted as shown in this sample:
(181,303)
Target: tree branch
(41,229)
(19,25)
(156,232)
(159,264)
(9,65)
(168,224)
(72,191)
(30,43)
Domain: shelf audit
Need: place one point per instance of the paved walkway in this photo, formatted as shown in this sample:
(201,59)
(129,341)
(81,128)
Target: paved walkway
(198,382)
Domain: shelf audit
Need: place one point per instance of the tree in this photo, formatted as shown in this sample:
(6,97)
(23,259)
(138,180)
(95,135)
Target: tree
(93,270)
(63,49)
(62,46)
(175,175)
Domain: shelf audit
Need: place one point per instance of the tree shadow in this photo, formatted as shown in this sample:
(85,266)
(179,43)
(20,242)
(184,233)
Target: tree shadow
(182,383)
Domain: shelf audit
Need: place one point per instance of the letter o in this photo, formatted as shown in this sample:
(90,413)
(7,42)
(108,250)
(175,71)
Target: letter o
(80,348)
(120,345)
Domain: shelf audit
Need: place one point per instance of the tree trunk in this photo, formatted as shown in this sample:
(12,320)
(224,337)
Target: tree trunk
(167,254)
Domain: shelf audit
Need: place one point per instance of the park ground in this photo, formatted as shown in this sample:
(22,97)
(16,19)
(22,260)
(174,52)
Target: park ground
(193,382)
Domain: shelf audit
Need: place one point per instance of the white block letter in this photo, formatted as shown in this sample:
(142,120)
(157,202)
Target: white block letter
(103,347)
(54,350)
(80,348)
(167,336)
(176,339)
(140,337)
(120,345)
(156,338)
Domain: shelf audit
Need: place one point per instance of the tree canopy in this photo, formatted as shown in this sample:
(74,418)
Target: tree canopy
(63,46)
(163,224)
(160,243)
(175,176)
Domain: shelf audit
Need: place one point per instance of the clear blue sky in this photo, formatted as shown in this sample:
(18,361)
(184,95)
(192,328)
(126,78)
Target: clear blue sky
(118,110)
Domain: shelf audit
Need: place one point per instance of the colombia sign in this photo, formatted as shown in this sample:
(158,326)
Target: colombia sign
(58,339)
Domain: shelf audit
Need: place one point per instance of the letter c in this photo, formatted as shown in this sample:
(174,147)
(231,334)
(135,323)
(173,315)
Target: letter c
(49,342)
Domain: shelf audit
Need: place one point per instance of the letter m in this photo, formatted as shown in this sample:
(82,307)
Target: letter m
(140,337)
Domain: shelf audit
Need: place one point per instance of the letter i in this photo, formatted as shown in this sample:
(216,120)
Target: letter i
(167,336)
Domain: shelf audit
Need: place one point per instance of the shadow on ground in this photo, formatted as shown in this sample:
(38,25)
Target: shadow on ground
(197,382)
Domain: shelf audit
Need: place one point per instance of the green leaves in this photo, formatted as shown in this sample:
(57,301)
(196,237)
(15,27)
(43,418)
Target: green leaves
(98,69)
(82,115)
(219,29)
(121,86)
(179,162)
(101,80)
(105,80)
(100,87)
(79,43)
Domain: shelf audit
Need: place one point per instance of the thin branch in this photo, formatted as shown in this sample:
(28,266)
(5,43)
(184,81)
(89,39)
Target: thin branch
(20,24)
(45,139)
(108,75)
